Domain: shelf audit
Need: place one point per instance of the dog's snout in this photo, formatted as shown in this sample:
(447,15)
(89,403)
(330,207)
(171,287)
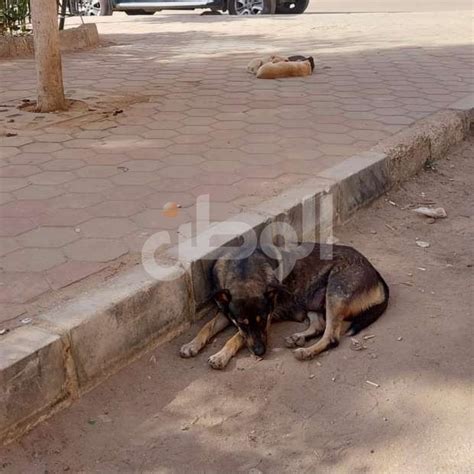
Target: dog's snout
(259,350)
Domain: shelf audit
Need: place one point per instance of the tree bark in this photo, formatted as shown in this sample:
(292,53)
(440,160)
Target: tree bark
(47,56)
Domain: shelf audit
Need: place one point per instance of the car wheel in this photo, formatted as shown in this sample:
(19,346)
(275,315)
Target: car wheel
(138,12)
(105,7)
(251,7)
(292,7)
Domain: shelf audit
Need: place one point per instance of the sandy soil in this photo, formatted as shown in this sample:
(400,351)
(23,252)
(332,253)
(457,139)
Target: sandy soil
(168,415)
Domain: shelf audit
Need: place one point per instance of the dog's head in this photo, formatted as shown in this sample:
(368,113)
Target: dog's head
(251,315)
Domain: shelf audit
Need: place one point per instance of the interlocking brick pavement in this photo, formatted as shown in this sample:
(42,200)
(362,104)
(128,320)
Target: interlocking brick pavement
(82,189)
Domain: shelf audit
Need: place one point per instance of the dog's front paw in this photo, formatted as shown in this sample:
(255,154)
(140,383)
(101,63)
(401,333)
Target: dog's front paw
(302,354)
(218,361)
(189,350)
(295,340)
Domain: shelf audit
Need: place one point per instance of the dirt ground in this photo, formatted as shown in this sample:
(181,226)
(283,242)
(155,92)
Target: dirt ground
(164,414)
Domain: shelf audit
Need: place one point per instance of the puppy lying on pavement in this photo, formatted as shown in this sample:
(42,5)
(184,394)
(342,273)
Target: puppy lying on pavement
(330,293)
(286,69)
(256,63)
(275,67)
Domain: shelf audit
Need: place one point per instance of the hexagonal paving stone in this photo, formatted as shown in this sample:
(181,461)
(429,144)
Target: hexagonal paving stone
(107,227)
(52,177)
(217,192)
(5,198)
(133,178)
(12,226)
(7,245)
(11,184)
(53,137)
(95,250)
(22,287)
(159,134)
(48,237)
(261,147)
(41,147)
(14,141)
(32,260)
(117,208)
(158,200)
(75,200)
(63,165)
(335,138)
(19,171)
(262,171)
(215,166)
(10,151)
(143,165)
(71,272)
(88,185)
(155,219)
(78,143)
(73,154)
(33,192)
(97,171)
(23,208)
(62,217)
(178,172)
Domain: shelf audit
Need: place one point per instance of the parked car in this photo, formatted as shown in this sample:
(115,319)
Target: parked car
(234,7)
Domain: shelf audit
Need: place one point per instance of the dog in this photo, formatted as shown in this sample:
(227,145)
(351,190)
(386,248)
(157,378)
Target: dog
(256,63)
(332,293)
(273,72)
(286,69)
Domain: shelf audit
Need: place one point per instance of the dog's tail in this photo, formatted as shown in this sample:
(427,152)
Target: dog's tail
(370,315)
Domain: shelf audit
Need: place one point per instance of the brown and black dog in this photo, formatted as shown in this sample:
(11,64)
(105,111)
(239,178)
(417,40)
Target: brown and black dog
(331,285)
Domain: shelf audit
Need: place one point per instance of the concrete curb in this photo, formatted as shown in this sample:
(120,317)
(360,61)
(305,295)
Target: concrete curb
(72,39)
(69,350)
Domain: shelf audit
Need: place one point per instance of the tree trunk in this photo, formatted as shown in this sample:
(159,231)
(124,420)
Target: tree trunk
(47,56)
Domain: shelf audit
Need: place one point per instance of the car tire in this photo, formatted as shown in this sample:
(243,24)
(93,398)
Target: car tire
(138,12)
(105,8)
(244,7)
(294,7)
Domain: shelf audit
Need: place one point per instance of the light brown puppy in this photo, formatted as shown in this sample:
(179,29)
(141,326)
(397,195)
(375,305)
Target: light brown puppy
(256,63)
(285,69)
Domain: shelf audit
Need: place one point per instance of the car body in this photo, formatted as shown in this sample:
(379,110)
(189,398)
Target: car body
(234,7)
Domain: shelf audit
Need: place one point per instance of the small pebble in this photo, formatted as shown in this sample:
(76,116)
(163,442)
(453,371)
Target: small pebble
(333,379)
(311,376)
(26,321)
(400,338)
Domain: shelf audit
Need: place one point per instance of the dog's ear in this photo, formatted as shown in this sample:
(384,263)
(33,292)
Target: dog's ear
(222,297)
(311,62)
(273,290)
